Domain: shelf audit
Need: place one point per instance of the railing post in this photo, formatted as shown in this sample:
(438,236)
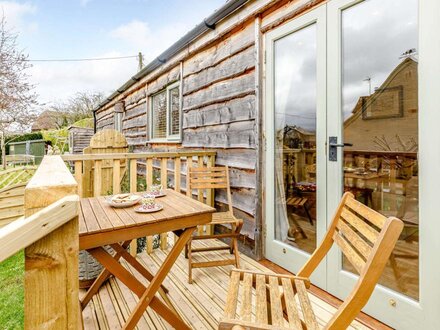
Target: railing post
(133,189)
(149,182)
(51,281)
(164,183)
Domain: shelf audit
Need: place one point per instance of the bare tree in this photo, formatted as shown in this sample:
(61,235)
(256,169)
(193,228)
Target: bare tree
(17,97)
(82,104)
(78,107)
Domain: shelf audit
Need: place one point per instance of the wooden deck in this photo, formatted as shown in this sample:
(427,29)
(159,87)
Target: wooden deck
(200,304)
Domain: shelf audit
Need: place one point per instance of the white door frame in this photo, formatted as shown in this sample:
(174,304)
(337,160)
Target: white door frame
(281,253)
(406,313)
(429,160)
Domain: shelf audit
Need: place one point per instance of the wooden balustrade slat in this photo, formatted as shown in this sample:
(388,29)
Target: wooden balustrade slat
(133,189)
(149,181)
(177,166)
(78,176)
(116,176)
(189,163)
(133,175)
(149,173)
(97,178)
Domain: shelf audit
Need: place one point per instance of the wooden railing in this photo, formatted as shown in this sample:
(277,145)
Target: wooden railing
(49,235)
(128,170)
(12,184)
(20,159)
(16,175)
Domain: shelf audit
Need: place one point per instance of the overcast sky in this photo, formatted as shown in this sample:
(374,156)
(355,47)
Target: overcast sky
(58,29)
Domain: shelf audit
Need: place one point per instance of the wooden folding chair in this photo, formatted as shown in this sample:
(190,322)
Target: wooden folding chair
(207,178)
(365,237)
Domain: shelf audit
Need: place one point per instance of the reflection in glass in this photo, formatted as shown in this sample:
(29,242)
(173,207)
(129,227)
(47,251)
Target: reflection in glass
(295,138)
(380,107)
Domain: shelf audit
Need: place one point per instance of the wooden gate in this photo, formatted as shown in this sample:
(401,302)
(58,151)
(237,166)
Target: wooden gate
(107,141)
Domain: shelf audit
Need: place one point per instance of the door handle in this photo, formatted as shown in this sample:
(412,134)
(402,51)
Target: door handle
(340,145)
(333,145)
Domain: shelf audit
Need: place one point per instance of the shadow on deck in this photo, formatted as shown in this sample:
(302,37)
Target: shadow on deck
(200,304)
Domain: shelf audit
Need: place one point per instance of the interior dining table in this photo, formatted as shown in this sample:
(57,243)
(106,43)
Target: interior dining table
(102,226)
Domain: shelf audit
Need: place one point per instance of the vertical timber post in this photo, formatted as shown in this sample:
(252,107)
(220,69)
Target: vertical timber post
(51,264)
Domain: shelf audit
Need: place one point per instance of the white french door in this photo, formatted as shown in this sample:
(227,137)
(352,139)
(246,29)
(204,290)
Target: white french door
(352,71)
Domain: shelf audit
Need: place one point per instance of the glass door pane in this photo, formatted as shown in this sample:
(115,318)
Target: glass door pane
(295,92)
(380,111)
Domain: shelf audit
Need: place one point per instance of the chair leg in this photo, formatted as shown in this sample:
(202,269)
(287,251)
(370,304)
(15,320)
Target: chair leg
(186,251)
(188,246)
(236,253)
(308,214)
(235,242)
(232,245)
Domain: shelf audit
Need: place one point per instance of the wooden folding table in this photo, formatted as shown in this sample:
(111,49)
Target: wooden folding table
(101,225)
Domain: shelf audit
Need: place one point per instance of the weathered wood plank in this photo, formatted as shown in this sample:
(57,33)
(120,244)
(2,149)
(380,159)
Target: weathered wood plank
(237,158)
(221,91)
(240,109)
(231,67)
(229,46)
(234,135)
(162,81)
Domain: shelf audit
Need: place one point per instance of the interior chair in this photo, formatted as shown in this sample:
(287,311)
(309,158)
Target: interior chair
(204,179)
(365,237)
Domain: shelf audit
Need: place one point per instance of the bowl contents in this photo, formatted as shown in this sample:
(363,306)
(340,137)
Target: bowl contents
(124,198)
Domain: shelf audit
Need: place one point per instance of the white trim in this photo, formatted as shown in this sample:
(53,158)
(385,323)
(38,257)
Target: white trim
(281,253)
(174,138)
(429,160)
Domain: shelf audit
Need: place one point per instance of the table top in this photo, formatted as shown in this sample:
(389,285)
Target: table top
(100,224)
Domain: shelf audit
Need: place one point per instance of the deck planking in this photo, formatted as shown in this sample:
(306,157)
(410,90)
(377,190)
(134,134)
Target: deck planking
(200,304)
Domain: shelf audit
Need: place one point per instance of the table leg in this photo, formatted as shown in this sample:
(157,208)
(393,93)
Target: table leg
(132,282)
(135,263)
(148,295)
(143,271)
(105,274)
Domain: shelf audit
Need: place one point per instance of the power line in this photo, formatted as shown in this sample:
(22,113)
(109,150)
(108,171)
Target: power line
(82,59)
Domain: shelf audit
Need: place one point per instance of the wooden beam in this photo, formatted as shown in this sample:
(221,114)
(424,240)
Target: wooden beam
(51,263)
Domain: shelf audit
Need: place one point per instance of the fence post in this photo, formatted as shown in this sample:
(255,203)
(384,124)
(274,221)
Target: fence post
(51,264)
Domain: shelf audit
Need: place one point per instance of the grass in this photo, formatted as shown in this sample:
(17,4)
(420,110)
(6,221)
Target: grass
(12,292)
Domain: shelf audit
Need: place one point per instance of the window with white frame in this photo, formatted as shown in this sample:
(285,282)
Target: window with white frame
(164,114)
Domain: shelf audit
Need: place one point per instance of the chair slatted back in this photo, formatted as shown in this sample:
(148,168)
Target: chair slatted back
(357,231)
(367,239)
(204,178)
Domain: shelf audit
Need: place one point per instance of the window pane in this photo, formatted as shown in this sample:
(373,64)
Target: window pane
(174,111)
(380,104)
(159,113)
(295,138)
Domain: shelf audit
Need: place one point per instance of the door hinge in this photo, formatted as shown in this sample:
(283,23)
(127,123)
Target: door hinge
(264,57)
